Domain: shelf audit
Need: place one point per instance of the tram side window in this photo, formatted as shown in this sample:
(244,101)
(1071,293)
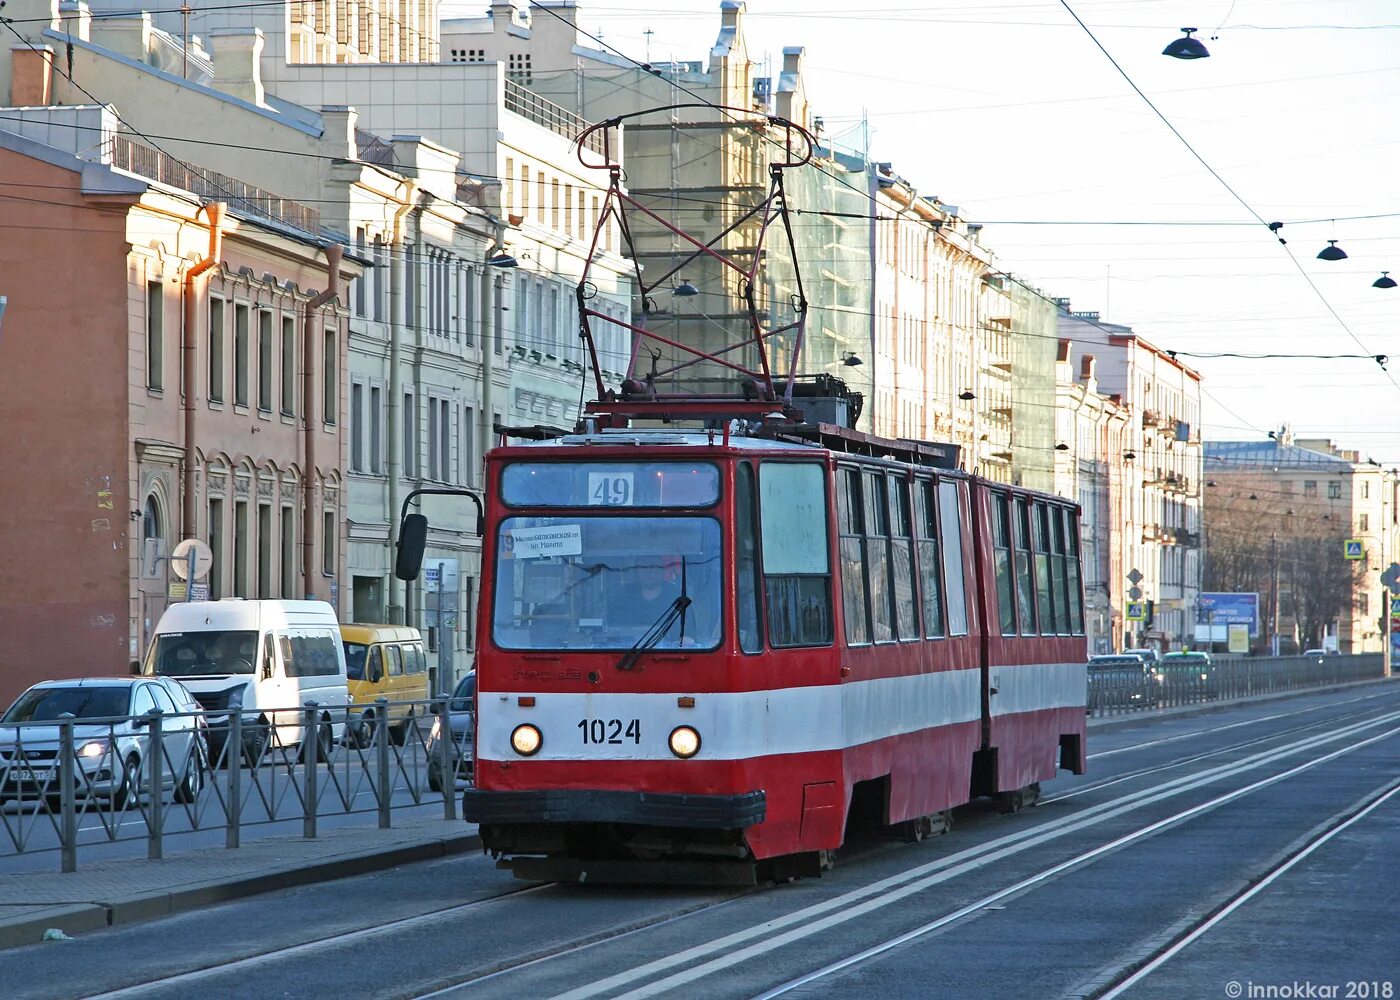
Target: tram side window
(1001,553)
(877,558)
(851,512)
(950,520)
(930,562)
(1059,575)
(1075,595)
(1025,581)
(902,558)
(796,563)
(1044,589)
(746,568)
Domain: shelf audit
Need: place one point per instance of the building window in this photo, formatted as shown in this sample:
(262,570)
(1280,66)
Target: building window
(1309,487)
(265,361)
(289,552)
(467,469)
(1363,603)
(240,548)
(1334,489)
(289,367)
(357,427)
(363,280)
(216,546)
(155,336)
(331,402)
(410,434)
(241,360)
(445,439)
(1365,491)
(376,431)
(1364,523)
(216,350)
(328,542)
(264,551)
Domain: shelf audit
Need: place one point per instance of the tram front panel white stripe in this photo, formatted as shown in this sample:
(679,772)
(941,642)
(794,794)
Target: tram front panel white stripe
(733,725)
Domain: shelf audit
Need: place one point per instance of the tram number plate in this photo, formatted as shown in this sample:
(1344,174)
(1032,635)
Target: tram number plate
(610,731)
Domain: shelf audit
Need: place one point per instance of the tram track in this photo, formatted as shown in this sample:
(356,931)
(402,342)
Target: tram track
(895,886)
(738,946)
(1196,758)
(1124,979)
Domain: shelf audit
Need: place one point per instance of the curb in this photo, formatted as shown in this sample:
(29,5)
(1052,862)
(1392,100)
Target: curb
(1112,722)
(78,918)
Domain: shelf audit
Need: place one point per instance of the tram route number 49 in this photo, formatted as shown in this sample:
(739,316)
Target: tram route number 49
(614,731)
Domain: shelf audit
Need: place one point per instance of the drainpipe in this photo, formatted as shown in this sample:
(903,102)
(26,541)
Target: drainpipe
(490,337)
(394,409)
(189,517)
(309,518)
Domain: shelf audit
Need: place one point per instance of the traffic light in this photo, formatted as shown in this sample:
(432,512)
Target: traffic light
(1147,622)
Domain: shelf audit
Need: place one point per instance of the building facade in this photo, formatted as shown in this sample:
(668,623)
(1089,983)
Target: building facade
(195,389)
(1161,513)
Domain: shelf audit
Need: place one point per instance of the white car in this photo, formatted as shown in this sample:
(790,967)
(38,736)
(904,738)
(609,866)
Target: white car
(111,740)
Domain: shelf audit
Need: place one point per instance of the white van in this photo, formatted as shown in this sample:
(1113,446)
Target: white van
(268,658)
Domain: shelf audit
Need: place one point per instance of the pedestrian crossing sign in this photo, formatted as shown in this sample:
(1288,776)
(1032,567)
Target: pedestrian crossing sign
(1354,549)
(1137,611)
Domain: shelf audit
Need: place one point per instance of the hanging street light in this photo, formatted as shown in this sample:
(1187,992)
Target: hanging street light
(685,289)
(1332,252)
(1186,48)
(1384,281)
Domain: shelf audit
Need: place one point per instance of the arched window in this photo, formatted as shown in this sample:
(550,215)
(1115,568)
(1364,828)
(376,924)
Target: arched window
(151,526)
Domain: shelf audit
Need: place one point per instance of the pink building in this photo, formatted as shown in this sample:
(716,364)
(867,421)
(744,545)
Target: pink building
(124,292)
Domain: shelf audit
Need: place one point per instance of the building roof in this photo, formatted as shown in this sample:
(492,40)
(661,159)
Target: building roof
(1273,455)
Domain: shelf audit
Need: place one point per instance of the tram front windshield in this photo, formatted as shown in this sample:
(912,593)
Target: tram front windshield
(604,582)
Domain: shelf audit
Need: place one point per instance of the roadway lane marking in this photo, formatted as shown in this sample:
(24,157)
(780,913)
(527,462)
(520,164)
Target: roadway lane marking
(1233,725)
(1250,893)
(1085,858)
(968,859)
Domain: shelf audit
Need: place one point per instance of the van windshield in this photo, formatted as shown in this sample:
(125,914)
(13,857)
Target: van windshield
(203,654)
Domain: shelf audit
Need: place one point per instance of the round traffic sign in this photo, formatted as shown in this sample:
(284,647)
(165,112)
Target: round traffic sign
(203,559)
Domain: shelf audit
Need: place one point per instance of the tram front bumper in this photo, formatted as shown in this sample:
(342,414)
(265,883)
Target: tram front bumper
(585,805)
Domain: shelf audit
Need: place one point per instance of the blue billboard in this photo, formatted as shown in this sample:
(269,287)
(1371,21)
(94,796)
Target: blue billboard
(1220,611)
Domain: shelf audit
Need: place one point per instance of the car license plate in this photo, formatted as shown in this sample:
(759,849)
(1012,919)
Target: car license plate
(34,773)
(615,732)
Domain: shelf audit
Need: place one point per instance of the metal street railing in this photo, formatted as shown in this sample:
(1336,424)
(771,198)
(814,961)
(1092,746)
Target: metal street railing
(76,783)
(1122,688)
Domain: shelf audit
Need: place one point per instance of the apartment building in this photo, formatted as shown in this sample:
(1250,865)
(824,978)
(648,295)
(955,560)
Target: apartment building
(1090,468)
(1309,526)
(194,389)
(1161,513)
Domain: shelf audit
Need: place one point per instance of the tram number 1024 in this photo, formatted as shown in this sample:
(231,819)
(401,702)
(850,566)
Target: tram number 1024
(614,731)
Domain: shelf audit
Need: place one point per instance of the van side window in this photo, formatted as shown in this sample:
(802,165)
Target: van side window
(374,666)
(395,657)
(309,654)
(414,662)
(269,659)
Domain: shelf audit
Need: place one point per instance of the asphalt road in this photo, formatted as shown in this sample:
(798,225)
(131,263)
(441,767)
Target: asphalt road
(1242,850)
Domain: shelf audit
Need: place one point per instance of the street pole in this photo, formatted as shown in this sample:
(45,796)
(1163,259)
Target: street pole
(1273,549)
(189,580)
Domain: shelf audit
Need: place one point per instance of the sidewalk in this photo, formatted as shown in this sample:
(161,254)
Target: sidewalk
(122,891)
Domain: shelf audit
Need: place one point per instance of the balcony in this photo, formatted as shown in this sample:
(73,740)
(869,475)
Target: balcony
(560,120)
(131,156)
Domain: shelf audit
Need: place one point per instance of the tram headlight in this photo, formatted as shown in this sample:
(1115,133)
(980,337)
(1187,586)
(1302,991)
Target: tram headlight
(684,742)
(526,740)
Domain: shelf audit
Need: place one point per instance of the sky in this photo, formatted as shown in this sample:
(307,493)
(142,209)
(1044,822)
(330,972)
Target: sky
(1008,109)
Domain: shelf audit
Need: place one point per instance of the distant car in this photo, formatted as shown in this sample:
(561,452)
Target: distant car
(1318,652)
(1120,680)
(1192,668)
(1147,655)
(110,755)
(461,716)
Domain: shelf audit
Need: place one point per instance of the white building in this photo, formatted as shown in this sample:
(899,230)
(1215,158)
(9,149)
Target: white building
(1161,512)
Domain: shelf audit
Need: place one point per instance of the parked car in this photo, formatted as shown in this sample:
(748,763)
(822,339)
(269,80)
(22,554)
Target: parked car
(1192,668)
(1120,680)
(111,739)
(461,716)
(1144,653)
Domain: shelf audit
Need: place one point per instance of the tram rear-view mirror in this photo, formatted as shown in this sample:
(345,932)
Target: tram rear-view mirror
(413,539)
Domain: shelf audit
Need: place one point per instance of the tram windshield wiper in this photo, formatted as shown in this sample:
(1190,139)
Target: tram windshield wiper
(653,635)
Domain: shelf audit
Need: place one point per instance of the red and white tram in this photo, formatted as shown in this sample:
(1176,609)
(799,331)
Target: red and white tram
(702,653)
